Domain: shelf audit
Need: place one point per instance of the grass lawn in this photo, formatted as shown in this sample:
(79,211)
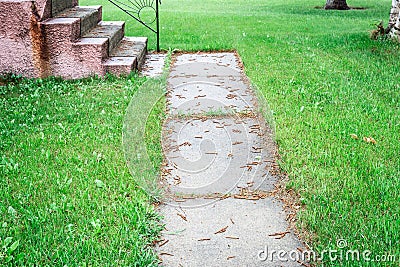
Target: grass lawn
(327,83)
(68,199)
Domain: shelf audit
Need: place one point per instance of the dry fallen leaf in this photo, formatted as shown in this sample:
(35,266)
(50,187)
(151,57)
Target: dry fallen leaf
(354,136)
(370,140)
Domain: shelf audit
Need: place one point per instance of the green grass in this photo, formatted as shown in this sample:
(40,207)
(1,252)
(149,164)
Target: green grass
(325,80)
(67,196)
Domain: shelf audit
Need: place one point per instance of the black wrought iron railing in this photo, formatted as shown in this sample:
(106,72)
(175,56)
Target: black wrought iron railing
(146,12)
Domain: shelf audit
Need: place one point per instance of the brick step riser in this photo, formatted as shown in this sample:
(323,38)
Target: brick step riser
(114,31)
(129,55)
(59,5)
(71,58)
(90,16)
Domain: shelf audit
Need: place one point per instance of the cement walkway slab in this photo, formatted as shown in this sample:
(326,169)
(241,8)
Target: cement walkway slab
(218,207)
(221,155)
(153,66)
(193,240)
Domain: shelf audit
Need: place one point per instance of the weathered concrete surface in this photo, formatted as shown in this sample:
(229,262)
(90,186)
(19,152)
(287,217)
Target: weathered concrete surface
(18,31)
(213,83)
(43,8)
(154,65)
(69,57)
(89,16)
(220,155)
(22,40)
(120,65)
(229,60)
(192,238)
(60,5)
(113,30)
(132,46)
(218,207)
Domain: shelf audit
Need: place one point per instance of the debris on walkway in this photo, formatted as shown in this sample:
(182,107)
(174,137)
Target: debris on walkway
(218,171)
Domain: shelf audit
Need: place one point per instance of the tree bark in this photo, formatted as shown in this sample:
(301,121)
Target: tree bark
(337,4)
(393,28)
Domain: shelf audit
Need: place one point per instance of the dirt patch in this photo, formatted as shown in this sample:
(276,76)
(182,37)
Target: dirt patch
(351,8)
(357,8)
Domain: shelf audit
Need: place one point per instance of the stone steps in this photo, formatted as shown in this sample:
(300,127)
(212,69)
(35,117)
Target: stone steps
(89,16)
(68,40)
(129,54)
(104,40)
(132,46)
(58,6)
(112,30)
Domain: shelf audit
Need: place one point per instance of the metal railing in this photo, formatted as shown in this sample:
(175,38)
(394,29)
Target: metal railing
(146,12)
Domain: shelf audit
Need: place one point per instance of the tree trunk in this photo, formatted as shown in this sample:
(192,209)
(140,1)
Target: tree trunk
(393,28)
(336,4)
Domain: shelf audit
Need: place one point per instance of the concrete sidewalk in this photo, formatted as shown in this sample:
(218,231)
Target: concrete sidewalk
(219,209)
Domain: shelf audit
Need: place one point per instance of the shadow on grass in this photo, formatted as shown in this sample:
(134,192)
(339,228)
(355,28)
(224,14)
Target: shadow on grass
(351,8)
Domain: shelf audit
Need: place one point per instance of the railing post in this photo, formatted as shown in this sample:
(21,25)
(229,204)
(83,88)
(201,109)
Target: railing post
(158,26)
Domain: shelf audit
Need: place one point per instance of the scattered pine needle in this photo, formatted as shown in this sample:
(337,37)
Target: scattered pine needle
(166,254)
(223,230)
(279,235)
(163,243)
(182,216)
